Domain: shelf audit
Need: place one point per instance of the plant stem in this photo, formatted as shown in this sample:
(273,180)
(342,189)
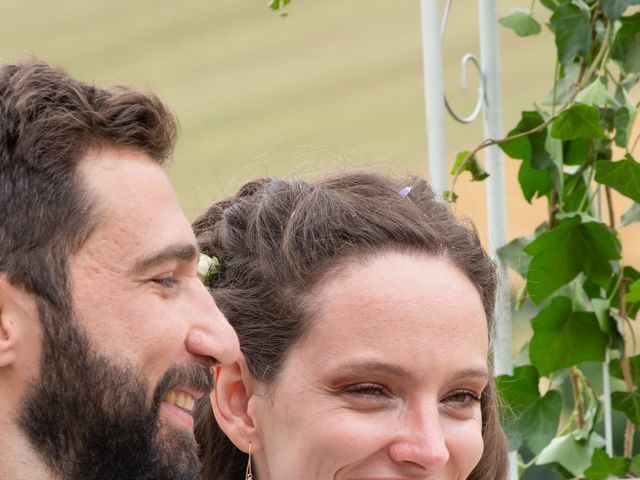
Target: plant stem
(491,141)
(635,142)
(628,380)
(577,396)
(612,218)
(553,208)
(555,88)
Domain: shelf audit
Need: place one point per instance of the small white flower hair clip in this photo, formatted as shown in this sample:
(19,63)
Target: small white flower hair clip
(207,268)
(405,192)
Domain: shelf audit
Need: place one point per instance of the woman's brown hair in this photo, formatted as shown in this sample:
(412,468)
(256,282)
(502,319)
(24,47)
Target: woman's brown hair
(277,239)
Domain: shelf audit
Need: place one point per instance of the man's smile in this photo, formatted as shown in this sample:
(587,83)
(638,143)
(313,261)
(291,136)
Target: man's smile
(179,403)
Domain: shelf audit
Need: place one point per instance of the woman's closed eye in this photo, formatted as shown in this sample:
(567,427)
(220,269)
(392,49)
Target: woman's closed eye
(367,390)
(463,399)
(367,396)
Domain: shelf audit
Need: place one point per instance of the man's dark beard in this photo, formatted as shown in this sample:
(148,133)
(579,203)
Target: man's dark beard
(91,418)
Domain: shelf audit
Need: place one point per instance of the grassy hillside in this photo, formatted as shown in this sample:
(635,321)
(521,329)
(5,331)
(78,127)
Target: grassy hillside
(336,84)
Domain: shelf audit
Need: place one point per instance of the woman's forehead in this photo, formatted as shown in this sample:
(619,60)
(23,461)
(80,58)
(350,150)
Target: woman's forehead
(398,305)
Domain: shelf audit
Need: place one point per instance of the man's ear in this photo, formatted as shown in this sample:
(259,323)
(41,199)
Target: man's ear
(13,301)
(230,401)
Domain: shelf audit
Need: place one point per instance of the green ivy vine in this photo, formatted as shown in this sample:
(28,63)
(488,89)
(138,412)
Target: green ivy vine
(571,265)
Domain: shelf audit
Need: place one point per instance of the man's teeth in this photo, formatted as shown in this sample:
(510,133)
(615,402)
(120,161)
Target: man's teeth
(181,399)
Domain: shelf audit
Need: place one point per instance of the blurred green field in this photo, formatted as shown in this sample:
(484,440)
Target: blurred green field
(335,84)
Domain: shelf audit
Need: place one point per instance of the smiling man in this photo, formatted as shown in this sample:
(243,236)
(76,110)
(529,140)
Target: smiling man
(107,337)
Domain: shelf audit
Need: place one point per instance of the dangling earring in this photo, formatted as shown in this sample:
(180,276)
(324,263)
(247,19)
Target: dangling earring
(249,474)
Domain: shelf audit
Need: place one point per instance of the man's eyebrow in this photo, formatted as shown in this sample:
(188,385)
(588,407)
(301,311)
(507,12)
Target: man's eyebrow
(185,253)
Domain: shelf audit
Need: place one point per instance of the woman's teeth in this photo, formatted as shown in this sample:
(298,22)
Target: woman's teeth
(180,399)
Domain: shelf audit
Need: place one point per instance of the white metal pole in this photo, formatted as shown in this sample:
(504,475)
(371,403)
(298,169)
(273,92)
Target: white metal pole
(606,400)
(434,94)
(606,380)
(496,199)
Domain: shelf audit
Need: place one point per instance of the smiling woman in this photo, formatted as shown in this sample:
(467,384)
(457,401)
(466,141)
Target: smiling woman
(363,309)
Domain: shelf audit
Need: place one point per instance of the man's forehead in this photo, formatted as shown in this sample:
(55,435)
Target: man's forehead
(123,171)
(136,211)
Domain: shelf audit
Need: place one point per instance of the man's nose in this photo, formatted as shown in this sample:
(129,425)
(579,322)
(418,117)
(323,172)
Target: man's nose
(421,440)
(210,334)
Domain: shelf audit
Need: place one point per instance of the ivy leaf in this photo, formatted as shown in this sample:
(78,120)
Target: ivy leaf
(538,424)
(534,182)
(572,28)
(601,308)
(615,369)
(631,275)
(635,464)
(633,295)
(471,165)
(615,8)
(626,46)
(560,92)
(576,151)
(628,403)
(562,337)
(560,254)
(535,175)
(530,147)
(275,4)
(550,4)
(602,466)
(622,122)
(625,116)
(518,148)
(596,94)
(512,254)
(578,121)
(553,147)
(573,455)
(539,156)
(632,215)
(521,22)
(624,176)
(520,389)
(450,196)
(534,419)
(574,194)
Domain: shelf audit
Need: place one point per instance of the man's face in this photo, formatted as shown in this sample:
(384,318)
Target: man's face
(115,391)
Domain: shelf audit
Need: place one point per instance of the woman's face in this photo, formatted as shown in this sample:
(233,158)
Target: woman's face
(387,381)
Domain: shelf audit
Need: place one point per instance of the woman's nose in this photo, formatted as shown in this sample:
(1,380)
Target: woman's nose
(421,440)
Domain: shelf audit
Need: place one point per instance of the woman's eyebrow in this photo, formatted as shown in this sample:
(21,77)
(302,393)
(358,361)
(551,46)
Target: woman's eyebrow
(472,373)
(185,253)
(368,366)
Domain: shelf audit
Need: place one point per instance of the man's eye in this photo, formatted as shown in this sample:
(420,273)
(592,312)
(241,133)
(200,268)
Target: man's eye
(167,282)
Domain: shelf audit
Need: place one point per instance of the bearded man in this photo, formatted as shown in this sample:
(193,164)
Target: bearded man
(107,336)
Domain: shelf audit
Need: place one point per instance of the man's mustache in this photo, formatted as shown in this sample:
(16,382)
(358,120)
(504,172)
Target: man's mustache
(198,376)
